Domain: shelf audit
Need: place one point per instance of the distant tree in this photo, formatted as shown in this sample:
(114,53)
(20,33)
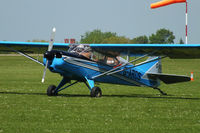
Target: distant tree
(140,40)
(96,36)
(35,40)
(116,39)
(162,36)
(181,41)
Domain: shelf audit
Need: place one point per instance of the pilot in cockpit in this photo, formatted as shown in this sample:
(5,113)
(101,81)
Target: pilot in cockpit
(84,51)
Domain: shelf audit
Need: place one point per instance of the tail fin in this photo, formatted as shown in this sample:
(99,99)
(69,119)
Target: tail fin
(152,66)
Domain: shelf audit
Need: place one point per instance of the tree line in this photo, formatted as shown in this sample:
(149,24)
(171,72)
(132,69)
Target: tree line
(162,36)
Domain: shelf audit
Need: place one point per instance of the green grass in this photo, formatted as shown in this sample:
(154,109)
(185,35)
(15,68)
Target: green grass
(25,108)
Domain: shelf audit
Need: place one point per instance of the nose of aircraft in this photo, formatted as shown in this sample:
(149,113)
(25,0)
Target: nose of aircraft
(49,55)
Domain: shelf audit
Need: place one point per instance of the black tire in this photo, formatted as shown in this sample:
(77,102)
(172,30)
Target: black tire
(96,92)
(51,90)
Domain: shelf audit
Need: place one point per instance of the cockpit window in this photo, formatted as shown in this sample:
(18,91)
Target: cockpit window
(85,50)
(96,56)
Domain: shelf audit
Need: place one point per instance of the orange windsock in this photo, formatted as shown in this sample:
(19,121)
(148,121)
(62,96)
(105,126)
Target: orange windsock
(165,3)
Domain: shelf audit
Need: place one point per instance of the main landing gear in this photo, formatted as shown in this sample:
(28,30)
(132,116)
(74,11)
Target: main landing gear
(95,91)
(52,90)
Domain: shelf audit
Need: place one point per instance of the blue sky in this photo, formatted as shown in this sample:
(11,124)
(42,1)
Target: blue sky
(23,20)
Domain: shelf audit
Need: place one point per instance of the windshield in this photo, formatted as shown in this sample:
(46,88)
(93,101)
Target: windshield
(78,48)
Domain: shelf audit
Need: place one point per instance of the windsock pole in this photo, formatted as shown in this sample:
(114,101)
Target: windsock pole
(186,22)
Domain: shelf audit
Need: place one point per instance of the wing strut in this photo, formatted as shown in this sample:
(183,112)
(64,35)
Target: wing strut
(26,55)
(112,71)
(142,63)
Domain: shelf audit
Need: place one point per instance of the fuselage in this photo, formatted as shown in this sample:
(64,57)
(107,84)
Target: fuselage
(76,67)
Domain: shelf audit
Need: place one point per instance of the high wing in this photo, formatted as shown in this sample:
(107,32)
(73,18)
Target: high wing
(29,47)
(170,50)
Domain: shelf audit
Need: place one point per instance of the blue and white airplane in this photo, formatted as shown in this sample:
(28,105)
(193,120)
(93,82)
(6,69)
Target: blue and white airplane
(101,63)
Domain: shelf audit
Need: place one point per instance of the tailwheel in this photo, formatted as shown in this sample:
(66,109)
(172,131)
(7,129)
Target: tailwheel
(51,90)
(96,92)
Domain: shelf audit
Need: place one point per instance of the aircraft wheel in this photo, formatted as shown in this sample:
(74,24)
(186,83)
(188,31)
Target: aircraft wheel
(51,90)
(96,92)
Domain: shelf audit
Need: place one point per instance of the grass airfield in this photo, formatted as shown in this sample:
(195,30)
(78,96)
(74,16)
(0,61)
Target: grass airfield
(25,107)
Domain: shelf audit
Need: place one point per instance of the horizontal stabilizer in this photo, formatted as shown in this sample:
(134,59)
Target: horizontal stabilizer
(168,78)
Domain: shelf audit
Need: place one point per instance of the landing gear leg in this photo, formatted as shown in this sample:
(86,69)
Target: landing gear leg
(163,93)
(94,91)
(53,90)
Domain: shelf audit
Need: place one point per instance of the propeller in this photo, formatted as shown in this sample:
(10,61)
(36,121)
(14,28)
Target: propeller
(50,47)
